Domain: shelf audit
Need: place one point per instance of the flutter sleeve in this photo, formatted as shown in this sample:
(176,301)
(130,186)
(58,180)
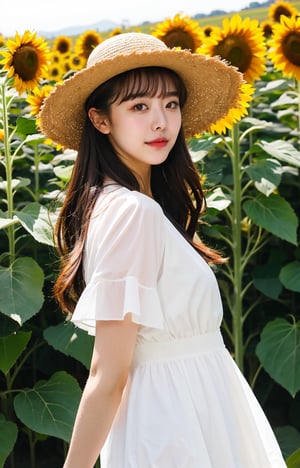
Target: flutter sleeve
(123,260)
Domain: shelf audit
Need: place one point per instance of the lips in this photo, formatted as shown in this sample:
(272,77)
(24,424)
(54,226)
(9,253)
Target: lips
(157,143)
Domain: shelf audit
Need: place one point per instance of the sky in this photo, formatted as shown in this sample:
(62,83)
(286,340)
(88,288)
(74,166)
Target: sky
(54,15)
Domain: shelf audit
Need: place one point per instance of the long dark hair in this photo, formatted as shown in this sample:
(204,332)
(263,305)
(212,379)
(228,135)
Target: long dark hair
(175,183)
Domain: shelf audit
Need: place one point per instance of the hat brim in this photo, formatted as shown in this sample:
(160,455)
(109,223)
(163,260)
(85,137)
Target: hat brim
(212,86)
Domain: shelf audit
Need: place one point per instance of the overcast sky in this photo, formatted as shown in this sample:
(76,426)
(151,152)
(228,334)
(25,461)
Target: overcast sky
(54,15)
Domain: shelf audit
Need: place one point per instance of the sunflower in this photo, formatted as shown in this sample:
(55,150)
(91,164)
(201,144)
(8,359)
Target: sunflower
(237,112)
(241,43)
(1,40)
(37,97)
(115,32)
(86,42)
(180,31)
(62,44)
(284,46)
(267,29)
(1,134)
(280,8)
(208,29)
(55,72)
(26,60)
(76,62)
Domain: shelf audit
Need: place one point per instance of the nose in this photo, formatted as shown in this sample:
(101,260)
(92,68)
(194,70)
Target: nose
(159,120)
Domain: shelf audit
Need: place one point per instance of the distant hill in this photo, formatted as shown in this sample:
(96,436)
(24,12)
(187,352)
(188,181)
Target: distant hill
(104,25)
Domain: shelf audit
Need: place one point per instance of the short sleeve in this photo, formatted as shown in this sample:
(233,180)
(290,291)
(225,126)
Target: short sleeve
(122,262)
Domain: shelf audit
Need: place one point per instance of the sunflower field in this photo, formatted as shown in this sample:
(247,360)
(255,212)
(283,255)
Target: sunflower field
(249,163)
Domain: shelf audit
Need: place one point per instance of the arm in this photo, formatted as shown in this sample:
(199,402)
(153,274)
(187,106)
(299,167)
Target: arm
(111,360)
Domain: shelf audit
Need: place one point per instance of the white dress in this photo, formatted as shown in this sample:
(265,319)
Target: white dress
(186,404)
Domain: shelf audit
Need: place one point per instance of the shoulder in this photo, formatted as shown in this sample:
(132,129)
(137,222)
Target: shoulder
(118,201)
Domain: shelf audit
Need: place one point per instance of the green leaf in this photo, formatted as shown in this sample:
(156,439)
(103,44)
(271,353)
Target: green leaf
(8,437)
(282,150)
(288,438)
(218,200)
(21,289)
(265,279)
(63,172)
(266,174)
(279,353)
(290,276)
(293,460)
(71,341)
(11,347)
(274,214)
(35,218)
(50,407)
(26,126)
(5,222)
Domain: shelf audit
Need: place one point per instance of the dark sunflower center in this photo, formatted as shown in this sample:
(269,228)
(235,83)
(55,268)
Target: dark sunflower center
(89,44)
(179,38)
(281,10)
(235,50)
(63,47)
(291,48)
(26,62)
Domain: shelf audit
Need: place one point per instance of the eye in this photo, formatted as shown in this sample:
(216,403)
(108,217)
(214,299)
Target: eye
(139,106)
(172,105)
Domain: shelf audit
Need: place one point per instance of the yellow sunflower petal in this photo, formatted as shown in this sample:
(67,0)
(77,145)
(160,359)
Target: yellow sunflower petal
(36,99)
(237,112)
(241,43)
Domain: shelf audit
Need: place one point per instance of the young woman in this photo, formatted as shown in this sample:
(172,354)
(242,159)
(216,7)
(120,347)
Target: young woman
(163,391)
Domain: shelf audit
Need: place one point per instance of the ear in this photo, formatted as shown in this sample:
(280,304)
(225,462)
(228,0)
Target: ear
(99,120)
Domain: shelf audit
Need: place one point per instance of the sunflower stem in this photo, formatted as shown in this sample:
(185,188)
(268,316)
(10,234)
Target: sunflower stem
(8,164)
(237,250)
(298,111)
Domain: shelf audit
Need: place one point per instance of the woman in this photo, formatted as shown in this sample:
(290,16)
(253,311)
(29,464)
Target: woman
(162,390)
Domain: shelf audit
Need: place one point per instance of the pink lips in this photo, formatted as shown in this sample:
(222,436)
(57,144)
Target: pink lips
(158,142)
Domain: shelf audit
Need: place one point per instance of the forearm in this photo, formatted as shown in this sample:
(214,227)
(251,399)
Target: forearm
(96,412)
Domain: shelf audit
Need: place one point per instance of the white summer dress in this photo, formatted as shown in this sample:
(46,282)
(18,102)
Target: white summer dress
(186,404)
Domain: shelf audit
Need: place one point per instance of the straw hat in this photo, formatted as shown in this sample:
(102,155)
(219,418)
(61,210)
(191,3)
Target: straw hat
(212,85)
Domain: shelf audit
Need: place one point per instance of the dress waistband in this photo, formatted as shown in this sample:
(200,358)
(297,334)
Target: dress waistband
(178,347)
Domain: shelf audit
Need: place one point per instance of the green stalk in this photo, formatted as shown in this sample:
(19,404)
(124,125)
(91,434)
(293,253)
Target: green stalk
(237,250)
(298,109)
(8,172)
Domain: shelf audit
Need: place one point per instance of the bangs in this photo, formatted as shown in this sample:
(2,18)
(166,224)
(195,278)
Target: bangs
(148,81)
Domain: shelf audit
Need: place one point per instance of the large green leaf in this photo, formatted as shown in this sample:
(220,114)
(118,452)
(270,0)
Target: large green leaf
(274,214)
(35,218)
(266,174)
(21,285)
(265,279)
(279,353)
(290,276)
(282,150)
(11,347)
(288,438)
(293,460)
(8,437)
(71,341)
(50,407)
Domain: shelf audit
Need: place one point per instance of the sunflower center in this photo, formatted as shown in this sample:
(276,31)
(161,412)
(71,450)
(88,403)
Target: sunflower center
(179,38)
(281,10)
(291,48)
(235,50)
(26,62)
